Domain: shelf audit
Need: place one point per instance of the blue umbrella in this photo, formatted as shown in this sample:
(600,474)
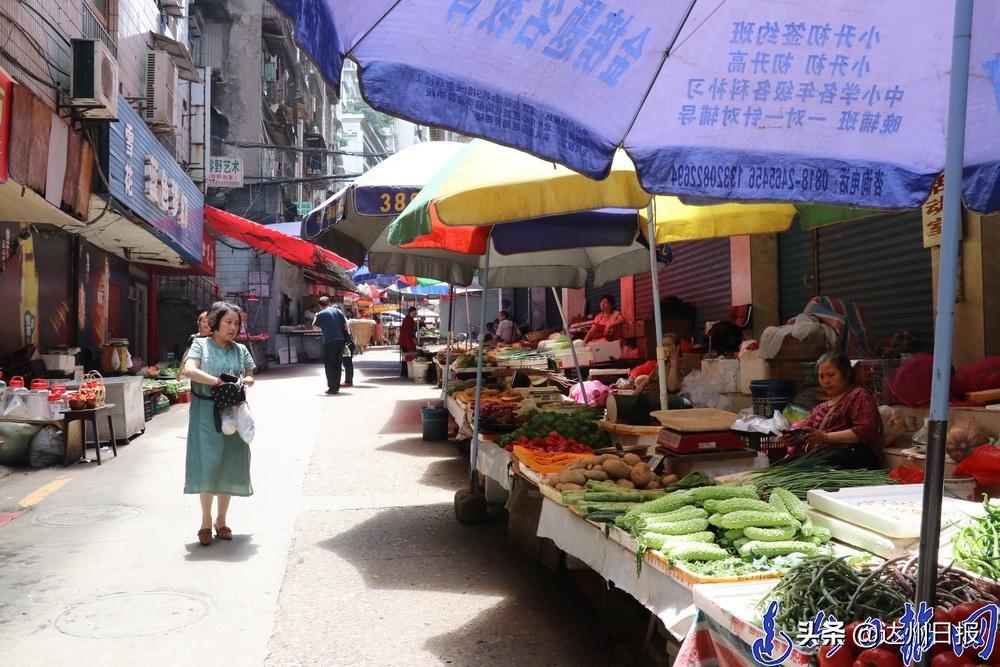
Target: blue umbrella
(838,102)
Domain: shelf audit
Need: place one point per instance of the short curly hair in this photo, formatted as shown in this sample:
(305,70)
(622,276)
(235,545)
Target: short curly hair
(220,309)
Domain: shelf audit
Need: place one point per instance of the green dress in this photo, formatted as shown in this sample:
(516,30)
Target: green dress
(216,463)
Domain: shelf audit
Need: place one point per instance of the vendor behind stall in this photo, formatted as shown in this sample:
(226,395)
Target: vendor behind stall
(607,324)
(506,330)
(848,422)
(646,377)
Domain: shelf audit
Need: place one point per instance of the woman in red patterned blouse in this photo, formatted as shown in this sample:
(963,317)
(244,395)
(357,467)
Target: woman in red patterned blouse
(849,421)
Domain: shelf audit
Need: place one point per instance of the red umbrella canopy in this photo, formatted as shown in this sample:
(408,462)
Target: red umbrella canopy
(259,236)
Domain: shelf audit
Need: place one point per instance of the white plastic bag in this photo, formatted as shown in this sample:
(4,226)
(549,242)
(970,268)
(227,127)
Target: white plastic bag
(751,423)
(244,422)
(229,421)
(704,390)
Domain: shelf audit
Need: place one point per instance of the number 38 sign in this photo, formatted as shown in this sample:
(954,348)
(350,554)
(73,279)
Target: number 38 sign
(383,201)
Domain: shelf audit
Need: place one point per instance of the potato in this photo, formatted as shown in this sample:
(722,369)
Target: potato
(608,457)
(625,484)
(617,469)
(591,460)
(598,475)
(577,464)
(631,459)
(667,480)
(571,487)
(558,486)
(641,474)
(572,477)
(650,486)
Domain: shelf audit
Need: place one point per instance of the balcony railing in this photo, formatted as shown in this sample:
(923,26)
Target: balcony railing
(94,28)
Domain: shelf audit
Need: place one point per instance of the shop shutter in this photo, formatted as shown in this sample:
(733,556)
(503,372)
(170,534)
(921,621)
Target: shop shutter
(881,264)
(522,307)
(594,294)
(552,319)
(700,274)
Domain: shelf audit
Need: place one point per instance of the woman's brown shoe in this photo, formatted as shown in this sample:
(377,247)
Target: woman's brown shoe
(224,532)
(205,536)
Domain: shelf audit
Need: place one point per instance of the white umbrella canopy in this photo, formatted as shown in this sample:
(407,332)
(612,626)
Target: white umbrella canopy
(352,220)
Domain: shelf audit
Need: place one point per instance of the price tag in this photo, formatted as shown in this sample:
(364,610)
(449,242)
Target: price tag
(655,461)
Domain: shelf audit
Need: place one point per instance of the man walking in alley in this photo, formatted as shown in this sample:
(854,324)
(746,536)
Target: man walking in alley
(334,326)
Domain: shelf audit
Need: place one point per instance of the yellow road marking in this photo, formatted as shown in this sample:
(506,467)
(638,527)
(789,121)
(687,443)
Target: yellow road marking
(37,496)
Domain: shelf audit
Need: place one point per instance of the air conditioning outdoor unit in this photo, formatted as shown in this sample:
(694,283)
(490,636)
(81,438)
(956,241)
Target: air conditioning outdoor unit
(161,82)
(94,85)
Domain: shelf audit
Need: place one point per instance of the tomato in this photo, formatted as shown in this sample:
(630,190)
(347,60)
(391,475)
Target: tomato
(879,657)
(949,659)
(842,658)
(849,637)
(961,613)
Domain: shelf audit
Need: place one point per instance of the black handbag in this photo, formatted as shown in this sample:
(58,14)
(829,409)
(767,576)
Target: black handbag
(226,395)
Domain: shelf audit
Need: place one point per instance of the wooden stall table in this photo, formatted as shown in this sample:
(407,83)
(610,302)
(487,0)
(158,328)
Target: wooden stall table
(88,415)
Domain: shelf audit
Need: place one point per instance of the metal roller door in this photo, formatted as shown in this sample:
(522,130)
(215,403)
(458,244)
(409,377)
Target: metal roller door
(594,294)
(881,264)
(700,274)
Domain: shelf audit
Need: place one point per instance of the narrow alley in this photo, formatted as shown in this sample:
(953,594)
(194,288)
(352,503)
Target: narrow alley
(348,552)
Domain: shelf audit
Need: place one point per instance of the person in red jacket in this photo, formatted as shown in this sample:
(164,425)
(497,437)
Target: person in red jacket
(408,331)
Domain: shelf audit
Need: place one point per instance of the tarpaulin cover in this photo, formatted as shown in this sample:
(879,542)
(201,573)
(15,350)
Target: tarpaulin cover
(269,240)
(839,102)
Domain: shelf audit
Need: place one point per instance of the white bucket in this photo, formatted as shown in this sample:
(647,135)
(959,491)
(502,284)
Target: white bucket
(962,488)
(420,369)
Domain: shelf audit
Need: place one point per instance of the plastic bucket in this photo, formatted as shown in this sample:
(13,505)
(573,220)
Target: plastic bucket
(962,488)
(420,369)
(435,423)
(771,395)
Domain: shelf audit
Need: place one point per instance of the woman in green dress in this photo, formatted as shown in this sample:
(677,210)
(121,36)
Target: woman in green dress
(217,465)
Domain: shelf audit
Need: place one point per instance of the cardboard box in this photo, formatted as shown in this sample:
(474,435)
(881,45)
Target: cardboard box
(728,370)
(752,367)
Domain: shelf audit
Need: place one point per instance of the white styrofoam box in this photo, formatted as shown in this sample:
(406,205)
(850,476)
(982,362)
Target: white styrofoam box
(753,366)
(61,363)
(726,369)
(564,358)
(287,355)
(893,511)
(602,350)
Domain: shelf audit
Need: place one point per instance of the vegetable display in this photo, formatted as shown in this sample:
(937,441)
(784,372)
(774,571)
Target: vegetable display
(836,587)
(976,547)
(813,471)
(742,532)
(553,442)
(579,426)
(610,473)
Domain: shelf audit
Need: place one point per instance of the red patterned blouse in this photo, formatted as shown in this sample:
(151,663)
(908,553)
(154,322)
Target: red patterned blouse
(857,411)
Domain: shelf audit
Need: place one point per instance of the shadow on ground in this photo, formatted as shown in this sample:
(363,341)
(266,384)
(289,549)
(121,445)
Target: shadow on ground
(240,549)
(405,417)
(417,446)
(425,548)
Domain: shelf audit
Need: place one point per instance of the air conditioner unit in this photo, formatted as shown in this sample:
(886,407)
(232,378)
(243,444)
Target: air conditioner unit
(173,8)
(161,82)
(94,84)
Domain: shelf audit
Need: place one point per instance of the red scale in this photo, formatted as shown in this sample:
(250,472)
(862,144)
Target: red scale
(698,431)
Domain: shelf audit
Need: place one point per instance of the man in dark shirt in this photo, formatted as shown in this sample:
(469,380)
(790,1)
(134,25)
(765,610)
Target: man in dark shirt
(334,326)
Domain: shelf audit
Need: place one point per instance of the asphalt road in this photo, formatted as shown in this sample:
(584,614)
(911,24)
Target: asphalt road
(348,553)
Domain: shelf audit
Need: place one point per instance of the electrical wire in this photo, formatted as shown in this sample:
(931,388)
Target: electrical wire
(298,149)
(45,20)
(92,135)
(268,180)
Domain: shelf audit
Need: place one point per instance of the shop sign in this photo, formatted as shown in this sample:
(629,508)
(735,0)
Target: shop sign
(146,178)
(224,172)
(302,208)
(933,214)
(6,90)
(383,201)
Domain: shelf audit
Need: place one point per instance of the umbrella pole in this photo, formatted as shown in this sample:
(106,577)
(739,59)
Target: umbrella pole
(468,319)
(930,527)
(447,352)
(474,450)
(572,348)
(661,363)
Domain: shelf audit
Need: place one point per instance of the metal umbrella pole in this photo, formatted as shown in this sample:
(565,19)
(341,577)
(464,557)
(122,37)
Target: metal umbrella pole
(930,526)
(468,319)
(474,450)
(446,373)
(661,363)
(572,348)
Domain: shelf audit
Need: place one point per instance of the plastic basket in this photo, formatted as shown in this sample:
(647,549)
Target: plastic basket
(767,444)
(148,407)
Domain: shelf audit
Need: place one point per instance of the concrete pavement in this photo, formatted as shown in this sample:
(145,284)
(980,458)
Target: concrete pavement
(347,554)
